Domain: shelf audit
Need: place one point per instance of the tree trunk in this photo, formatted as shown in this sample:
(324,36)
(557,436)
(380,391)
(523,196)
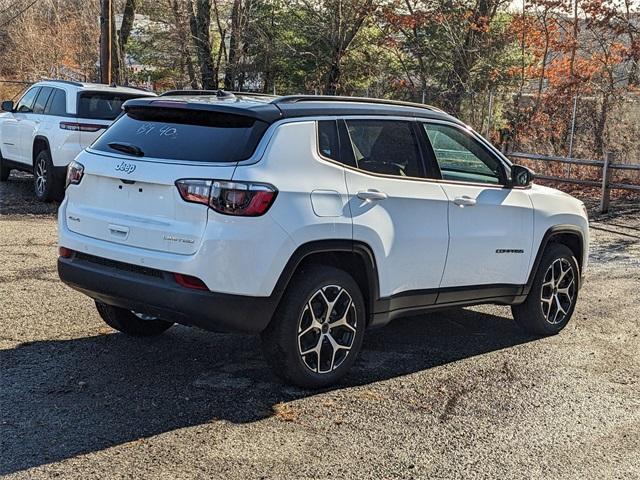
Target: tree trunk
(183,37)
(116,61)
(230,74)
(105,42)
(334,75)
(464,57)
(269,69)
(601,125)
(634,47)
(200,22)
(128,18)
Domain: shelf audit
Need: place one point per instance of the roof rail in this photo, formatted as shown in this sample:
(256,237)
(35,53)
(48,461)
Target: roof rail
(254,94)
(68,82)
(218,93)
(331,98)
(171,93)
(135,87)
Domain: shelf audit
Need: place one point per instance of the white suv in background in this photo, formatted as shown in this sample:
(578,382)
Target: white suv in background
(308,220)
(53,121)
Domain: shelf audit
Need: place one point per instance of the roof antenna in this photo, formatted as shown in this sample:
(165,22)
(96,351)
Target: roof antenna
(222,94)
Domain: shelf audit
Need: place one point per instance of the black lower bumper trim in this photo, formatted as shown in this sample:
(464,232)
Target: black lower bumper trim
(164,298)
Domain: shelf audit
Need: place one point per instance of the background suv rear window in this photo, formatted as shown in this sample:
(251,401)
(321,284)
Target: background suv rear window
(177,134)
(101,105)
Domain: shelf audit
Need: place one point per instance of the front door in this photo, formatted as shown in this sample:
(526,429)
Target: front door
(29,121)
(10,134)
(490,225)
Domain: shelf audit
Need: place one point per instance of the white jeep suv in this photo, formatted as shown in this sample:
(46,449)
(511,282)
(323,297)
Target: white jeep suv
(308,220)
(53,121)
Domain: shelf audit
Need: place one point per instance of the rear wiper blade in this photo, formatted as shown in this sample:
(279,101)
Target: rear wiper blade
(127,148)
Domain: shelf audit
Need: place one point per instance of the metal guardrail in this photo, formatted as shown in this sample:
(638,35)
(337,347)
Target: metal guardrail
(607,165)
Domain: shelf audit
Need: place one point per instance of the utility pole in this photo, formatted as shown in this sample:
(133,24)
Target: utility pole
(105,41)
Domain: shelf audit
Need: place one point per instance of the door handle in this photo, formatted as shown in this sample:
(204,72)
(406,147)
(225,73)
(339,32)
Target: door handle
(371,195)
(464,201)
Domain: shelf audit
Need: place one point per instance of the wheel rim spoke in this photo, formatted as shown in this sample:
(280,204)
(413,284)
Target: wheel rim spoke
(327,329)
(41,176)
(558,291)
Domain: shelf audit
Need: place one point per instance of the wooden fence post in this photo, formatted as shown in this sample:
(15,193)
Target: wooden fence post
(606,180)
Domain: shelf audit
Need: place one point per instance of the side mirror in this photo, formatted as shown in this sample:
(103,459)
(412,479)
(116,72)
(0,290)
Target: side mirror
(521,176)
(7,106)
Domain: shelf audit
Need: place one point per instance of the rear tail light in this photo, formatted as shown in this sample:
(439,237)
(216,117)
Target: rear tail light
(82,127)
(230,198)
(75,172)
(188,281)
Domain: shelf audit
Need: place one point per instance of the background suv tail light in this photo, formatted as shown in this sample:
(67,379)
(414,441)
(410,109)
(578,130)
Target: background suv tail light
(82,127)
(245,199)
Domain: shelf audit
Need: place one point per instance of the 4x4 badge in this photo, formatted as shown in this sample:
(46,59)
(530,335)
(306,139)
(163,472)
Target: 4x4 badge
(125,167)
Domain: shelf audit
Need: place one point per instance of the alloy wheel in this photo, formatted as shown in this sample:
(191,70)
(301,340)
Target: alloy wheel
(327,329)
(558,291)
(41,176)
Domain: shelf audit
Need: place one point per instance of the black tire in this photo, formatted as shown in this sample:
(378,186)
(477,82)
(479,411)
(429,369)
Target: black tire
(127,322)
(551,315)
(47,187)
(4,170)
(280,343)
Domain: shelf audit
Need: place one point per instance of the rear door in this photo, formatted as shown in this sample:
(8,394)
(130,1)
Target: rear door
(490,225)
(128,193)
(395,210)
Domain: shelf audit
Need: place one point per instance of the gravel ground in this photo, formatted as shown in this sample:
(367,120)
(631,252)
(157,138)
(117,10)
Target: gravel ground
(455,394)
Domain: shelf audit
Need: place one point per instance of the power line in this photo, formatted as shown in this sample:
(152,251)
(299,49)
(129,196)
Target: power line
(19,13)
(11,6)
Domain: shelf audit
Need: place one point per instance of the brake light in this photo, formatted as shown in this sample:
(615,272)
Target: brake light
(229,198)
(75,172)
(188,281)
(82,127)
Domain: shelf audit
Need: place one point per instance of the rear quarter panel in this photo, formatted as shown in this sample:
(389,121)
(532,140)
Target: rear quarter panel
(292,164)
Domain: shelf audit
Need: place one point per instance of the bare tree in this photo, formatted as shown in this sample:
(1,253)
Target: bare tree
(200,23)
(128,17)
(181,26)
(335,24)
(467,52)
(241,14)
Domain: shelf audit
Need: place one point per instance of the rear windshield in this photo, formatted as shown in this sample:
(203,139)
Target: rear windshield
(176,134)
(101,105)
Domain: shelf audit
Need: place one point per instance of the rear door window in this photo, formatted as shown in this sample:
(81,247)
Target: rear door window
(41,101)
(182,134)
(388,147)
(57,104)
(101,105)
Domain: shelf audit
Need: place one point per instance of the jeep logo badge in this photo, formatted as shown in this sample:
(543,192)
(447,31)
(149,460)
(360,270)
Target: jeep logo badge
(125,167)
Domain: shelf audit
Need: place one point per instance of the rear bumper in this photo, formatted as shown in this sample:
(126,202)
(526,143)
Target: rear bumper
(156,293)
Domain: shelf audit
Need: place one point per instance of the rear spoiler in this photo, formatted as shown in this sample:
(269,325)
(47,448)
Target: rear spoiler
(264,112)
